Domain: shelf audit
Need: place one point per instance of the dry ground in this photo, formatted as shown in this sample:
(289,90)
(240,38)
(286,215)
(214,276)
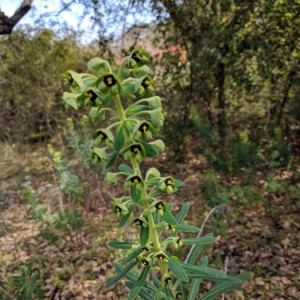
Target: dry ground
(262,238)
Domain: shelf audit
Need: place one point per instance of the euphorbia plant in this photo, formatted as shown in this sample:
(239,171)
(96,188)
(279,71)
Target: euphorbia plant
(149,265)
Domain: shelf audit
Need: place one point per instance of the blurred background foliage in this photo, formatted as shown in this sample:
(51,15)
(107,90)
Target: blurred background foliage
(228,74)
(225,69)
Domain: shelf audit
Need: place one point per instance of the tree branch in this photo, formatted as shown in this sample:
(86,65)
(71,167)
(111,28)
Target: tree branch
(7,24)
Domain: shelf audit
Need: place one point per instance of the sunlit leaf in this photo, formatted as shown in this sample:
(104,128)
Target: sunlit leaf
(70,99)
(98,65)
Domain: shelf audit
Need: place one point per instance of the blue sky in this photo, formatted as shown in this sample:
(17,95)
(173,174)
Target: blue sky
(71,18)
(51,7)
(42,6)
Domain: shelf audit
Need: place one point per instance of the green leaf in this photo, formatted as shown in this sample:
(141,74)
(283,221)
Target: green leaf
(130,87)
(111,159)
(125,169)
(187,228)
(178,183)
(168,293)
(194,288)
(142,71)
(195,253)
(154,148)
(119,138)
(157,117)
(133,255)
(76,77)
(101,152)
(70,99)
(98,65)
(134,109)
(177,269)
(204,272)
(136,193)
(133,278)
(144,236)
(200,240)
(169,218)
(143,293)
(154,102)
(97,115)
(153,181)
(125,218)
(115,279)
(182,213)
(221,288)
(195,284)
(111,177)
(244,276)
(139,284)
(152,172)
(120,244)
(275,154)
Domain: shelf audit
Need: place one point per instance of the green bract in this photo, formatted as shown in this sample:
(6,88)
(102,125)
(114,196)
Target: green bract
(146,206)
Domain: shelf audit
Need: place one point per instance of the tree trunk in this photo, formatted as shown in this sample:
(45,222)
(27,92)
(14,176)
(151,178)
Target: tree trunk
(7,24)
(220,80)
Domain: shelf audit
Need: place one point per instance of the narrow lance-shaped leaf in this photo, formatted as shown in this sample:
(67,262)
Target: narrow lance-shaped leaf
(196,251)
(200,240)
(182,213)
(115,279)
(142,293)
(194,287)
(120,244)
(139,284)
(204,272)
(133,255)
(169,218)
(177,269)
(187,228)
(133,278)
(221,288)
(125,218)
(144,235)
(119,138)
(111,159)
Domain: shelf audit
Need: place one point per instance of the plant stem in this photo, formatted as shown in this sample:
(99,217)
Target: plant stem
(119,107)
(152,228)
